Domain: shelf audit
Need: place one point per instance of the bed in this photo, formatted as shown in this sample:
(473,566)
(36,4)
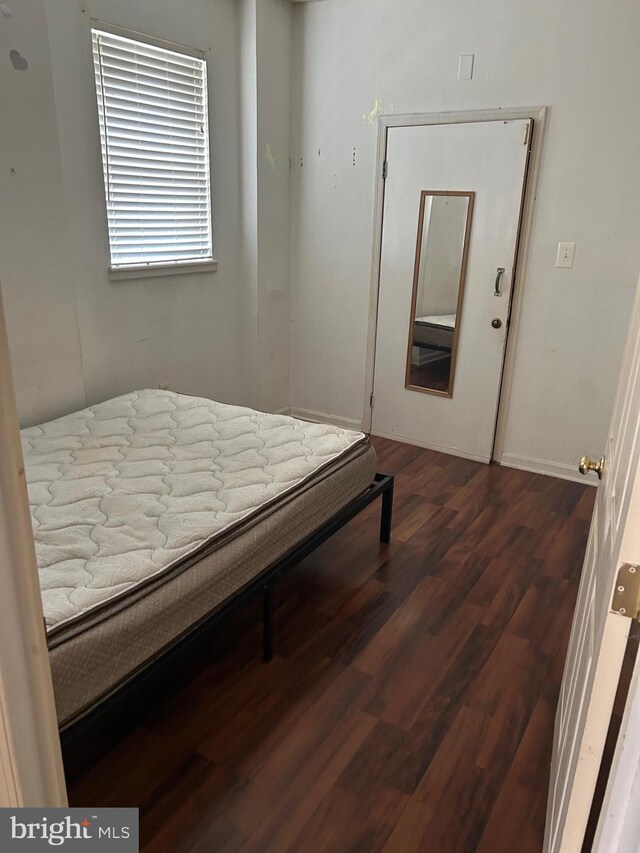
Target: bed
(435,331)
(154,512)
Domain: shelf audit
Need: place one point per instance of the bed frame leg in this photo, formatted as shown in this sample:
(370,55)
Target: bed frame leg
(267,624)
(387,512)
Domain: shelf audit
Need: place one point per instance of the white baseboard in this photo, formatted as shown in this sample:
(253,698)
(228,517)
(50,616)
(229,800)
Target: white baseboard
(429,445)
(509,460)
(543,466)
(323,418)
(285,411)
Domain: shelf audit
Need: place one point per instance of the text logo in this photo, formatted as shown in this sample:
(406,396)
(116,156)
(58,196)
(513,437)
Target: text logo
(69,829)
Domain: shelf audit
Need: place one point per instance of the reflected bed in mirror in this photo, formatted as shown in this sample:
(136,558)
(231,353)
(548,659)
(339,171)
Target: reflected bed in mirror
(444,225)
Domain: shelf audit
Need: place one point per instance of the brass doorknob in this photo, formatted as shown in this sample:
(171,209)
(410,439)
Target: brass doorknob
(587,464)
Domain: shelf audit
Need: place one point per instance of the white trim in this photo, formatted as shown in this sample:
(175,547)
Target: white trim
(155,41)
(538,114)
(160,270)
(30,757)
(10,794)
(128,259)
(619,822)
(323,418)
(374,287)
(523,253)
(441,448)
(544,466)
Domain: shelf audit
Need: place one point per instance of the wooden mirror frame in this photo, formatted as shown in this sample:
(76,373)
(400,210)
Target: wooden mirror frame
(424,194)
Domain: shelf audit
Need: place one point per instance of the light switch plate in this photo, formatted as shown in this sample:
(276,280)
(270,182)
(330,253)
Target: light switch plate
(566,255)
(465,66)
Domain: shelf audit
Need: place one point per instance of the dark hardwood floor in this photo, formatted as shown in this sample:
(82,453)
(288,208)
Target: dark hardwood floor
(410,703)
(434,374)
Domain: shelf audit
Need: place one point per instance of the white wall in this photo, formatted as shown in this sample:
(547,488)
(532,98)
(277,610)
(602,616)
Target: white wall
(181,331)
(441,256)
(274,70)
(77,336)
(579,57)
(266,37)
(36,269)
(249,196)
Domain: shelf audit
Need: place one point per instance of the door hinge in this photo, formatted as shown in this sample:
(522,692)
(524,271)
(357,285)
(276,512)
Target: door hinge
(527,133)
(384,170)
(626,594)
(371,400)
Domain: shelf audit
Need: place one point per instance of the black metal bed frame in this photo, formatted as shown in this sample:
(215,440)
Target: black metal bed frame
(83,741)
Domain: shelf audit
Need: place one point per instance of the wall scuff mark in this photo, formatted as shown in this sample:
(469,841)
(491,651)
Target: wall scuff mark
(271,158)
(371,116)
(18,61)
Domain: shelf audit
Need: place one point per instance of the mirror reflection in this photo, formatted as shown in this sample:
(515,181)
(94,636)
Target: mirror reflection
(444,224)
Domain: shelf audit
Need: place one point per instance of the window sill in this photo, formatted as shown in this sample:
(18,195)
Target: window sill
(160,270)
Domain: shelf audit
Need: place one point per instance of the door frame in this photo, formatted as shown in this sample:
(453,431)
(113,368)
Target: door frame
(539,115)
(31,771)
(619,821)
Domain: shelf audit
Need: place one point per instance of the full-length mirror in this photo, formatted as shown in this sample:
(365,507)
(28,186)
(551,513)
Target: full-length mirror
(444,225)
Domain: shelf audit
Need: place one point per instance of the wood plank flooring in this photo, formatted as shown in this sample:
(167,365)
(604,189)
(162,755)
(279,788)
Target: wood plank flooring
(410,702)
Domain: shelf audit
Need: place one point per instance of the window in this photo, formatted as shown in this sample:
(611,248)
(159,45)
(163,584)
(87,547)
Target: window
(154,129)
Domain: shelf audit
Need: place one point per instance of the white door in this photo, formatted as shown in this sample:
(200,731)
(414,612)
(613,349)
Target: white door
(434,326)
(599,634)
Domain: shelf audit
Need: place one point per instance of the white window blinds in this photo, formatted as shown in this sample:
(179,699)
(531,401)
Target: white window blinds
(152,108)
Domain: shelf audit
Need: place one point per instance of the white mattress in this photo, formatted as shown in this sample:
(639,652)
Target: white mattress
(446,320)
(122,491)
